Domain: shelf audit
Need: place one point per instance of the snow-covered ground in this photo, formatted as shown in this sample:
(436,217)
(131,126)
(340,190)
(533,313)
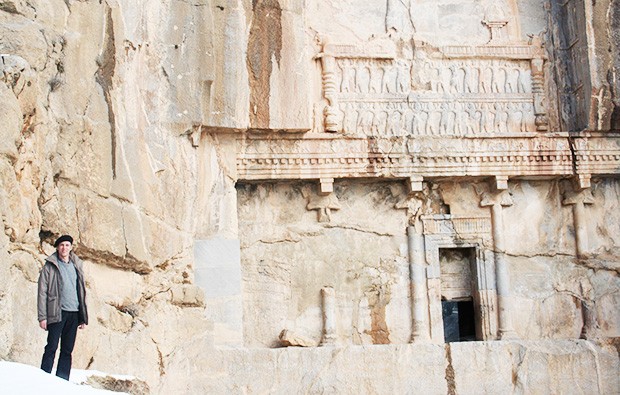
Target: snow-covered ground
(20,379)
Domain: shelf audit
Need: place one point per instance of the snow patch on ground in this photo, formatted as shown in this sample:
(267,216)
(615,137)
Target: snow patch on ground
(20,379)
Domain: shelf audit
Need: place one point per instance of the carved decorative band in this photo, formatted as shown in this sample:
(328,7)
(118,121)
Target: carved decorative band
(373,50)
(598,163)
(256,167)
(449,225)
(524,52)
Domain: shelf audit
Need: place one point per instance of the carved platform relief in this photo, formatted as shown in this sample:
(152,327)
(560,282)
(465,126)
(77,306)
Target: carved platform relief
(460,91)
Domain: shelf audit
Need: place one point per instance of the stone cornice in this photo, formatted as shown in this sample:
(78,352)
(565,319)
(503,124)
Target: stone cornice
(265,159)
(316,158)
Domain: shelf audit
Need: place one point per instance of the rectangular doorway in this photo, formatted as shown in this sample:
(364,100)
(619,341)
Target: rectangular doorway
(457,289)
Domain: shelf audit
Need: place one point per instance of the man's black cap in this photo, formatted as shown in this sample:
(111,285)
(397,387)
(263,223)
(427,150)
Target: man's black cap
(63,238)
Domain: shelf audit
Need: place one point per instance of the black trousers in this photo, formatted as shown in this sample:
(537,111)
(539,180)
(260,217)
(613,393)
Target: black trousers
(65,331)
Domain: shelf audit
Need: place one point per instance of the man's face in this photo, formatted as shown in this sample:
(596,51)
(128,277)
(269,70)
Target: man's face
(63,250)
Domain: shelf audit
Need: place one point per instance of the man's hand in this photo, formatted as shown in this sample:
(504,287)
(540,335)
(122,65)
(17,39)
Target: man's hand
(82,326)
(43,324)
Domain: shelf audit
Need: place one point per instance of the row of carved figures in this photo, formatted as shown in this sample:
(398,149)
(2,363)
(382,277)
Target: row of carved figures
(440,119)
(453,77)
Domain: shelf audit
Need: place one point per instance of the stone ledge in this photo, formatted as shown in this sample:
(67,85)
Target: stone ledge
(558,366)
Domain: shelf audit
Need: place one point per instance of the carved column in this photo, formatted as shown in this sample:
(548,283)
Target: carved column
(578,200)
(328,295)
(497,201)
(330,91)
(419,292)
(538,86)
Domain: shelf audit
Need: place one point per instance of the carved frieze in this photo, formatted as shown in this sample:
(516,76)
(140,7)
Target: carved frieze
(451,91)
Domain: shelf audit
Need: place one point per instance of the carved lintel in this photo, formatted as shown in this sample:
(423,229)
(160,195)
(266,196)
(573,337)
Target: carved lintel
(415,184)
(501,183)
(326,186)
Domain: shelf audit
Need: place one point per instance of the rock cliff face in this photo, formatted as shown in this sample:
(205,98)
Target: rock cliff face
(352,173)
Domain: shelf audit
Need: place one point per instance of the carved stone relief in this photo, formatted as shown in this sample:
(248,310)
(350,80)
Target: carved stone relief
(453,91)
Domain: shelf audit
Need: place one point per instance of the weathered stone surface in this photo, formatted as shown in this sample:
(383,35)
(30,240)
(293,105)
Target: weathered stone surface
(467,368)
(188,295)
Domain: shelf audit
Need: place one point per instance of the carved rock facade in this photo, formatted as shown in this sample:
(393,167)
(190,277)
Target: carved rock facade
(427,176)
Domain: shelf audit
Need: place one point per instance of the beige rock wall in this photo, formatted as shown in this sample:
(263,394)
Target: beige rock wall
(93,122)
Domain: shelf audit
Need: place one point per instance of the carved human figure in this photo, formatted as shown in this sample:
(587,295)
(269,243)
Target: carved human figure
(446,123)
(366,121)
(460,119)
(487,119)
(498,77)
(350,118)
(470,80)
(476,121)
(407,121)
(446,75)
(473,119)
(362,81)
(486,80)
(522,85)
(529,118)
(348,76)
(515,117)
(455,79)
(512,76)
(419,121)
(501,117)
(388,80)
(497,117)
(403,77)
(394,124)
(379,123)
(426,76)
(434,118)
(376,78)
(436,80)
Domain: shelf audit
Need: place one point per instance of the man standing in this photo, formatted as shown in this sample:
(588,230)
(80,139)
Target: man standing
(61,304)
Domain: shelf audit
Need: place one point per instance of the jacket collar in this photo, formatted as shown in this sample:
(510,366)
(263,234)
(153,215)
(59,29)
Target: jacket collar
(53,259)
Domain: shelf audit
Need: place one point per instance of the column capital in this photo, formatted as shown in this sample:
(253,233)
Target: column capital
(574,197)
(503,198)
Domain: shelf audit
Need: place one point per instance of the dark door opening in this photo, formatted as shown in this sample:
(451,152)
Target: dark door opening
(458,321)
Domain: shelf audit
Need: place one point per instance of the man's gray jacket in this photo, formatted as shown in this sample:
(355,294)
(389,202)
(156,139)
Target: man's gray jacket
(50,283)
